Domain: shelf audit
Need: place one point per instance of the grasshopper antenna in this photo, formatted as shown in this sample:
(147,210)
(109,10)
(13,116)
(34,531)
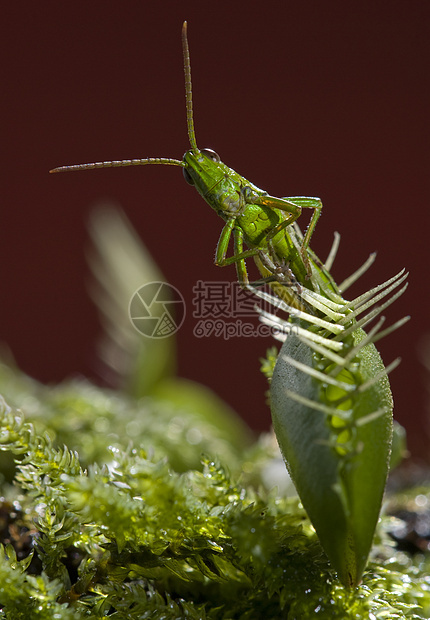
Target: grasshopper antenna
(188,90)
(165,161)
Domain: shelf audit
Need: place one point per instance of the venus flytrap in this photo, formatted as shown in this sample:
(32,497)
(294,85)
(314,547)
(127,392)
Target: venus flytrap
(332,414)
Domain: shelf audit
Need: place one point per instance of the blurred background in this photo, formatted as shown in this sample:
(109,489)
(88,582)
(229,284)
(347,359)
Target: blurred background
(323,99)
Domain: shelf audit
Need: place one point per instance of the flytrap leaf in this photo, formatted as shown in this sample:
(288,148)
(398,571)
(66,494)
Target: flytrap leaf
(332,414)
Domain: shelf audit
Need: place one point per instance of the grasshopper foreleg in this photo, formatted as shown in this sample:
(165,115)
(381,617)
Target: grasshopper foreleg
(239,254)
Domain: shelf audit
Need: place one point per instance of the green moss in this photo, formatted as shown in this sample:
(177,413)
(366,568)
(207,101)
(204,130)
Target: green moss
(134,538)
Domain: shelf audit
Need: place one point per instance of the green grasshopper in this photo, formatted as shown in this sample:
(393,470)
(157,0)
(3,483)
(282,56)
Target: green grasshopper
(254,217)
(331,400)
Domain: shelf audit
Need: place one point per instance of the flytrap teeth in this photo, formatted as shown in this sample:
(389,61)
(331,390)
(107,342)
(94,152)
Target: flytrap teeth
(282,329)
(334,328)
(370,298)
(338,319)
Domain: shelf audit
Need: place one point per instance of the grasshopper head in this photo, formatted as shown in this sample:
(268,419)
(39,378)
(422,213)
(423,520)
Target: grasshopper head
(218,184)
(202,170)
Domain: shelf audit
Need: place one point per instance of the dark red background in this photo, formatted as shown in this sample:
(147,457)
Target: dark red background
(319,98)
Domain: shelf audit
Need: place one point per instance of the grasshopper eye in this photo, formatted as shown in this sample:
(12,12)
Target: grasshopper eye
(211,154)
(187,176)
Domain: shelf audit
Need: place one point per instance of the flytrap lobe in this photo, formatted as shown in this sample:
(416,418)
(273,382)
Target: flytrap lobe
(332,409)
